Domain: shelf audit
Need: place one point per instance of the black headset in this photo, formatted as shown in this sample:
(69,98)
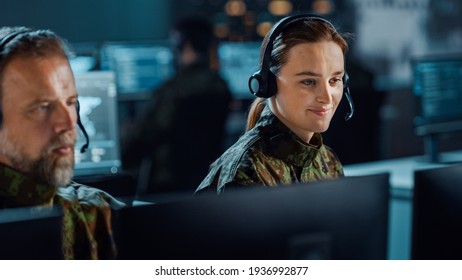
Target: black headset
(8,38)
(263,82)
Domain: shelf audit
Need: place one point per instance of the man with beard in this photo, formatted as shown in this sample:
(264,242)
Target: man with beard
(38,116)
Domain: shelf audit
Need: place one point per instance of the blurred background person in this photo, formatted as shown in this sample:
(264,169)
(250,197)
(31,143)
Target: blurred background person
(182,130)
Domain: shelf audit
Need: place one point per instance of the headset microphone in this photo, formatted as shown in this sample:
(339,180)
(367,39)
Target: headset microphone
(263,82)
(84,148)
(346,92)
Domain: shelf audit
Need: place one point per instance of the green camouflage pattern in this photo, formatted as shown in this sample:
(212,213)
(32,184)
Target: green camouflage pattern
(270,155)
(86,229)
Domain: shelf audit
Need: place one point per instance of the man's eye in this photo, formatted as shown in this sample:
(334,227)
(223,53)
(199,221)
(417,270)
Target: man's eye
(42,107)
(72,102)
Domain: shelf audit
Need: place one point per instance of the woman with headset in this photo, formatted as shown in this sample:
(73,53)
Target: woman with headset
(300,83)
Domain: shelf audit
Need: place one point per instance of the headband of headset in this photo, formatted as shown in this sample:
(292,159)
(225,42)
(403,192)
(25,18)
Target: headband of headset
(263,82)
(8,38)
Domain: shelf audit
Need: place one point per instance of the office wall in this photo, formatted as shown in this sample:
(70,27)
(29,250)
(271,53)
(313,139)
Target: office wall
(91,20)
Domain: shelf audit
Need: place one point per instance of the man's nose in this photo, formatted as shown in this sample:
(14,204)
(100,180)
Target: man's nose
(65,117)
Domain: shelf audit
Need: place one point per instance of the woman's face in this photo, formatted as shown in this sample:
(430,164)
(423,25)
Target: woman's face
(310,87)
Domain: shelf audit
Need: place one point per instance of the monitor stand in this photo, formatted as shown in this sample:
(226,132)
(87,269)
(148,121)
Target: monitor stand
(431,146)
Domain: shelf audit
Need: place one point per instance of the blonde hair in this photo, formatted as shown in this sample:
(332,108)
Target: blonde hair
(255,110)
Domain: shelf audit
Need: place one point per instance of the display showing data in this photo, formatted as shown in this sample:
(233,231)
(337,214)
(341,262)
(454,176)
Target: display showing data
(98,113)
(438,86)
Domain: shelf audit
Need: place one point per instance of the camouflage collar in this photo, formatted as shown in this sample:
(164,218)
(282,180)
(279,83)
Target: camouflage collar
(286,145)
(17,190)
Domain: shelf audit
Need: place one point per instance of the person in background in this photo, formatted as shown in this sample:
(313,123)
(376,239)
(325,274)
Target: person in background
(172,145)
(38,118)
(300,84)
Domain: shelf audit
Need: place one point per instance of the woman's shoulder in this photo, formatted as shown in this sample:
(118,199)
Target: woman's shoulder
(328,152)
(224,169)
(331,160)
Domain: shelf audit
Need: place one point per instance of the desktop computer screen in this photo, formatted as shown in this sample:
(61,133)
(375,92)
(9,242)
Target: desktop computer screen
(98,113)
(438,88)
(31,233)
(346,218)
(437,214)
(140,67)
(238,61)
(84,56)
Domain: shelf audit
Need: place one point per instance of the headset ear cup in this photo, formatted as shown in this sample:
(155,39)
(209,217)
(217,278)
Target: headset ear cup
(256,84)
(261,88)
(272,85)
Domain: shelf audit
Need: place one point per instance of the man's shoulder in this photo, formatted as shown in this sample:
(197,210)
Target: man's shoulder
(86,195)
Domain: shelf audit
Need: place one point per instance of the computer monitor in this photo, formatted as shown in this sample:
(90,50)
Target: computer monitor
(98,113)
(345,218)
(84,56)
(437,214)
(438,93)
(31,233)
(238,61)
(438,89)
(140,67)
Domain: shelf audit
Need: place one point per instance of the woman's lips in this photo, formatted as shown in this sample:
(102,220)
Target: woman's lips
(319,112)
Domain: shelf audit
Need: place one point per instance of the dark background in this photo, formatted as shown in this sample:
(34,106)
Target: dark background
(388,33)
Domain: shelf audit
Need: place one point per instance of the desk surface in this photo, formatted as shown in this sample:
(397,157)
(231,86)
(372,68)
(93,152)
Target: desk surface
(402,169)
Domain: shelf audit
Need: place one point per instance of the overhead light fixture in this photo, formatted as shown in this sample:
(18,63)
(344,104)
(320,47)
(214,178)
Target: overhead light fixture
(323,7)
(280,7)
(221,30)
(235,8)
(264,27)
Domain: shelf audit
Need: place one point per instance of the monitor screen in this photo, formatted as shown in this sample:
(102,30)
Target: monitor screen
(336,219)
(437,214)
(82,64)
(438,88)
(84,57)
(238,61)
(140,67)
(98,113)
(31,233)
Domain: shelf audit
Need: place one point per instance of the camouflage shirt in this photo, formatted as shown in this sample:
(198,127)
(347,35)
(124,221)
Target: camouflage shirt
(270,154)
(86,229)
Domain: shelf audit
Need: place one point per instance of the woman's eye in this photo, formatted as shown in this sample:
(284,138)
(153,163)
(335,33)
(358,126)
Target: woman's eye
(309,82)
(336,81)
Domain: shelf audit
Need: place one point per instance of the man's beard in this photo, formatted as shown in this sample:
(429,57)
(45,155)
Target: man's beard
(48,168)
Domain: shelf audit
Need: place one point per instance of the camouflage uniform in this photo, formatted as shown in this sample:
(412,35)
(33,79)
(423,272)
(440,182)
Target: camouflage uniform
(270,154)
(86,230)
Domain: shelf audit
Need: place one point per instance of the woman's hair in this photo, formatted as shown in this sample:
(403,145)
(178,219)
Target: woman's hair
(309,30)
